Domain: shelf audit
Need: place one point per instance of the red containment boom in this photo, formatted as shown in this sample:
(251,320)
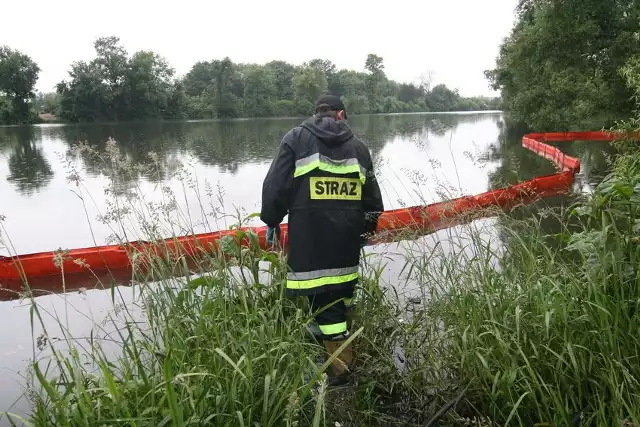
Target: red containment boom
(108,264)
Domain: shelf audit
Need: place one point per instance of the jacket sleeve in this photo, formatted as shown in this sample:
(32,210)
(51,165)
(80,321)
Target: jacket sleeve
(372,202)
(278,184)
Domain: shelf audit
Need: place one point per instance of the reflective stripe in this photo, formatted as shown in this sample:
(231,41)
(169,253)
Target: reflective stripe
(348,302)
(335,329)
(322,281)
(324,163)
(310,275)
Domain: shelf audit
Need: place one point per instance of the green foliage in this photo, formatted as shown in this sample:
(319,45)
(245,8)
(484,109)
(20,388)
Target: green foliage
(6,110)
(327,67)
(46,103)
(374,64)
(18,76)
(560,67)
(441,98)
(259,90)
(198,79)
(304,107)
(283,73)
(350,83)
(309,83)
(374,82)
(217,342)
(356,104)
(228,88)
(115,87)
(410,93)
(177,102)
(285,108)
(223,89)
(147,86)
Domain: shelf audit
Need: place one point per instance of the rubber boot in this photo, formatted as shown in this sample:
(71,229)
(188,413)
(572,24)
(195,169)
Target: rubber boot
(341,365)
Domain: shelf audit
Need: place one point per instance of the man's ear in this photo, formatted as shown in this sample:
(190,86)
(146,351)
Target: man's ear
(340,115)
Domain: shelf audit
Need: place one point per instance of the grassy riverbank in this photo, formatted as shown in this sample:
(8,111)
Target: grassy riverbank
(542,330)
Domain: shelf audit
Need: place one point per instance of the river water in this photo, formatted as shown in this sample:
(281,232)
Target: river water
(53,196)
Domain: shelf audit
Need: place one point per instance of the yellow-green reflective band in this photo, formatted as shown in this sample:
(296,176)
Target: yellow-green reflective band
(340,170)
(322,281)
(335,329)
(348,302)
(339,167)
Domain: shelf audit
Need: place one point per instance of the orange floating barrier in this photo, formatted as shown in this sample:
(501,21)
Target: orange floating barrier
(113,264)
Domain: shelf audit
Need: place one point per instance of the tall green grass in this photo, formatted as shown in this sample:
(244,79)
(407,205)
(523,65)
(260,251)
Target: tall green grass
(533,330)
(551,337)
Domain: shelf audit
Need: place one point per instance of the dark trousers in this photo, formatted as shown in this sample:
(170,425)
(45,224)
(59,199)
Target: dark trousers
(330,312)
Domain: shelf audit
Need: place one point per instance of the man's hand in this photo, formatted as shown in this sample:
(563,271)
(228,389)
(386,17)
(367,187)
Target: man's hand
(272,232)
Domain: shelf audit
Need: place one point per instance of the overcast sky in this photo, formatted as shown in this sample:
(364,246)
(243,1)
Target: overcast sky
(457,39)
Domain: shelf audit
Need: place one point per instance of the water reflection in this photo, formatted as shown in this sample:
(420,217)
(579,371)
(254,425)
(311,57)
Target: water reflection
(28,169)
(414,153)
(517,164)
(420,157)
(224,144)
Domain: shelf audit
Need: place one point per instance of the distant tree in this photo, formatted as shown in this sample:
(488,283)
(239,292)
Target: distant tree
(38,102)
(331,73)
(198,79)
(111,64)
(111,60)
(18,76)
(426,79)
(560,68)
(309,83)
(283,73)
(146,86)
(50,103)
(285,108)
(350,83)
(115,87)
(177,103)
(85,97)
(375,66)
(356,104)
(259,91)
(327,67)
(228,89)
(441,98)
(408,92)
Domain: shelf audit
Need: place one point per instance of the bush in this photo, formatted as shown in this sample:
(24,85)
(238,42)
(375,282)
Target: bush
(304,107)
(199,107)
(285,108)
(356,104)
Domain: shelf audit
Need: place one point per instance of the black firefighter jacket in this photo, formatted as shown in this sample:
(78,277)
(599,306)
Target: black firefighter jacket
(323,178)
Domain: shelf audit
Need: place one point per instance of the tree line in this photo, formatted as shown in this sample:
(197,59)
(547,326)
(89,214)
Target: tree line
(117,86)
(567,63)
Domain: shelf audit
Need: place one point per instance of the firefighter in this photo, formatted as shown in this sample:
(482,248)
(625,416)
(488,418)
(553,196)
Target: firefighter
(323,178)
